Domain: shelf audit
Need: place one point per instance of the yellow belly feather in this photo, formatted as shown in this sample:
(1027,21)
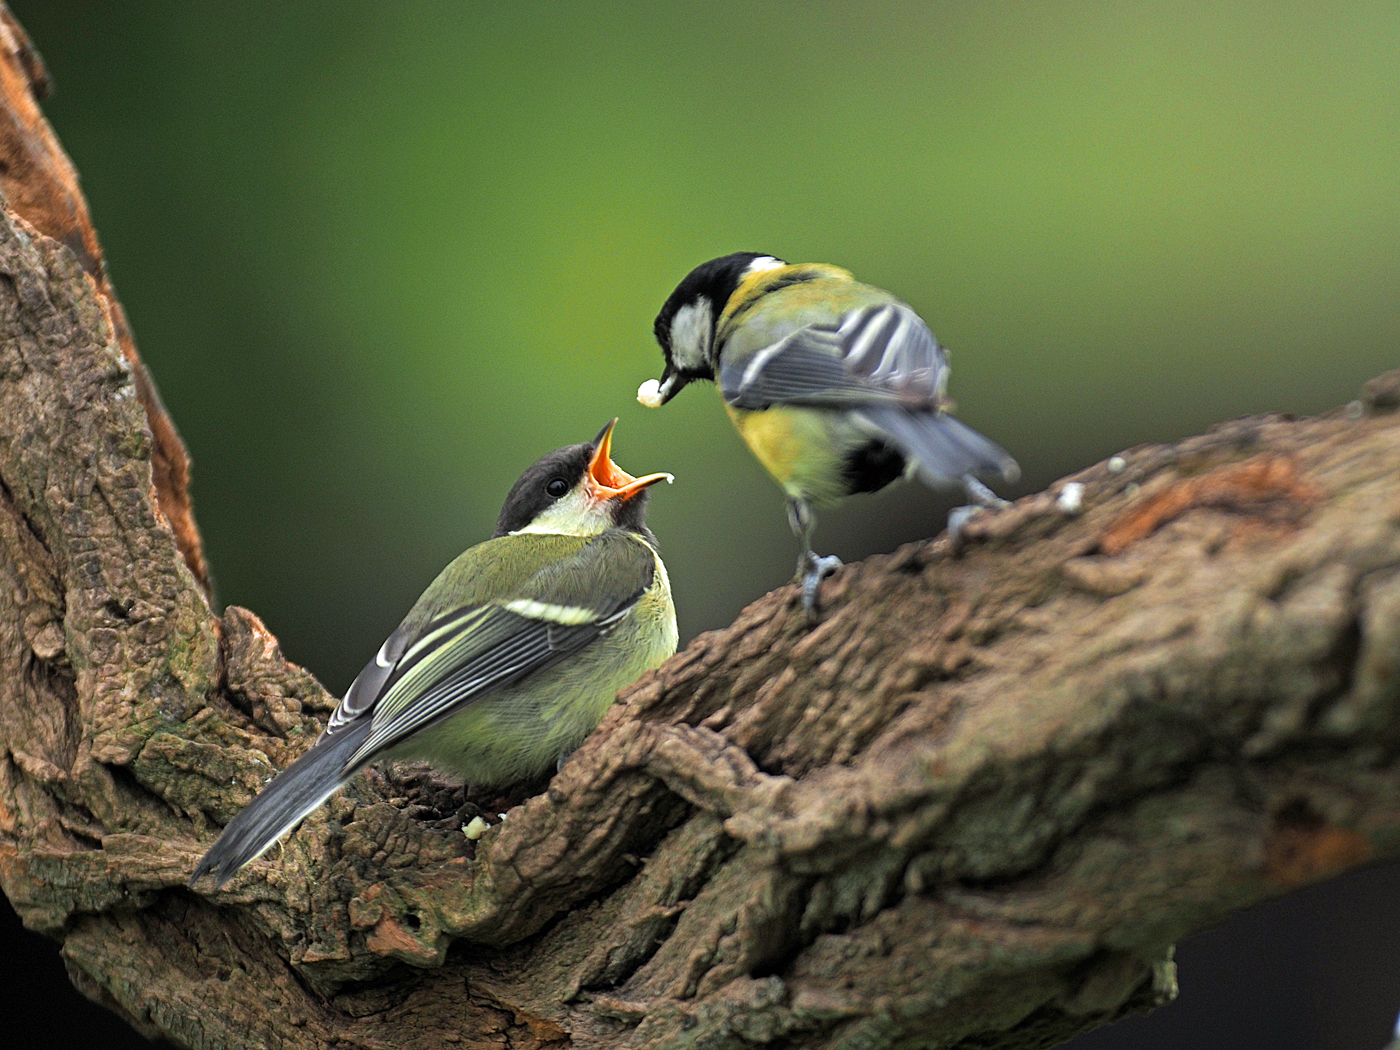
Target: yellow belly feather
(796,446)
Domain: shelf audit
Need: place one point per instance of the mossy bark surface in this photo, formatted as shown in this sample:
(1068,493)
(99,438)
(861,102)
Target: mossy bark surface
(975,806)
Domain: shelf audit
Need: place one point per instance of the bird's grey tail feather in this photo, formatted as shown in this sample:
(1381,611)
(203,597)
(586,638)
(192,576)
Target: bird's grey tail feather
(294,793)
(946,449)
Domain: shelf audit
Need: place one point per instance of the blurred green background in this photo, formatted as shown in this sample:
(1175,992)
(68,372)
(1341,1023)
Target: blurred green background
(381,256)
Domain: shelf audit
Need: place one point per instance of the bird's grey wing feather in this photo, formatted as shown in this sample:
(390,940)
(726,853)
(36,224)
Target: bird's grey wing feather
(494,649)
(946,449)
(369,683)
(875,355)
(467,652)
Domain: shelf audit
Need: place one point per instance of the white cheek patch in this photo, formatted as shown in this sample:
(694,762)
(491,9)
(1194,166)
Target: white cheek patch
(763,262)
(574,515)
(690,335)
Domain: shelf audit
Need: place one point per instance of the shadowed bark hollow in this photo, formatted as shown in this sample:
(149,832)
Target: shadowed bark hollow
(974,807)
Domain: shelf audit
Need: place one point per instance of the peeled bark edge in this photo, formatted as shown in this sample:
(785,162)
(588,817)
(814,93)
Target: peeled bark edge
(40,185)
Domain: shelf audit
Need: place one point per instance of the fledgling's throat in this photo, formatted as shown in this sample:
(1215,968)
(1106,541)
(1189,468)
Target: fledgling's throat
(576,514)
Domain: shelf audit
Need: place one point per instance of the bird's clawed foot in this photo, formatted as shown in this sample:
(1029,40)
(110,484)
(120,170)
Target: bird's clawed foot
(811,570)
(982,497)
(958,517)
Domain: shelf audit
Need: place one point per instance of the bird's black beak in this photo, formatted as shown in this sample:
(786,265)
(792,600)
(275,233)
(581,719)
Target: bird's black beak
(656,392)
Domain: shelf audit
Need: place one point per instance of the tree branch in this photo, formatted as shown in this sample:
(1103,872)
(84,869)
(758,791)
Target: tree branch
(976,805)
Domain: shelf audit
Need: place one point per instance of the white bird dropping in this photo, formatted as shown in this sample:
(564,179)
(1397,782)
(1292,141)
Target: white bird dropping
(1071,501)
(649,393)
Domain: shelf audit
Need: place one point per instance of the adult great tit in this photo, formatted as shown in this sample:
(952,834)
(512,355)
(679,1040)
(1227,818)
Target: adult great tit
(837,386)
(509,658)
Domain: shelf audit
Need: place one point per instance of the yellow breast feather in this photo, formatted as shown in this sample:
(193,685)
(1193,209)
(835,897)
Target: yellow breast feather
(796,446)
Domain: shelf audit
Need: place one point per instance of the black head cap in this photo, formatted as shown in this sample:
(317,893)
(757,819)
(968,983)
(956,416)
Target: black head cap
(705,290)
(545,481)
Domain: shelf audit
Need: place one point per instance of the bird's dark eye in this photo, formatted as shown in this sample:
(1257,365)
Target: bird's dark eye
(557,487)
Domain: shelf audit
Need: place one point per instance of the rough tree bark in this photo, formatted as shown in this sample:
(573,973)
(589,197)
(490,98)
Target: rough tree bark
(974,807)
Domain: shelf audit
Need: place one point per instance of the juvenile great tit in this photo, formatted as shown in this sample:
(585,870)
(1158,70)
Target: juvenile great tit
(837,386)
(510,657)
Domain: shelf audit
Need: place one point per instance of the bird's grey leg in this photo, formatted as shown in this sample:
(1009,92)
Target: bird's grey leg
(812,568)
(981,496)
(563,757)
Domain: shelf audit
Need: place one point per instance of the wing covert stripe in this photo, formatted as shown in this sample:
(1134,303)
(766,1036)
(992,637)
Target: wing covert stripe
(876,355)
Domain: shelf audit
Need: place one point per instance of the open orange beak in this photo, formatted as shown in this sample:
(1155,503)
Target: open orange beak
(608,480)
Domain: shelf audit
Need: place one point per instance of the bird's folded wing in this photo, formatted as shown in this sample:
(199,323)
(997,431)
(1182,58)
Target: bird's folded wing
(876,355)
(369,683)
(466,653)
